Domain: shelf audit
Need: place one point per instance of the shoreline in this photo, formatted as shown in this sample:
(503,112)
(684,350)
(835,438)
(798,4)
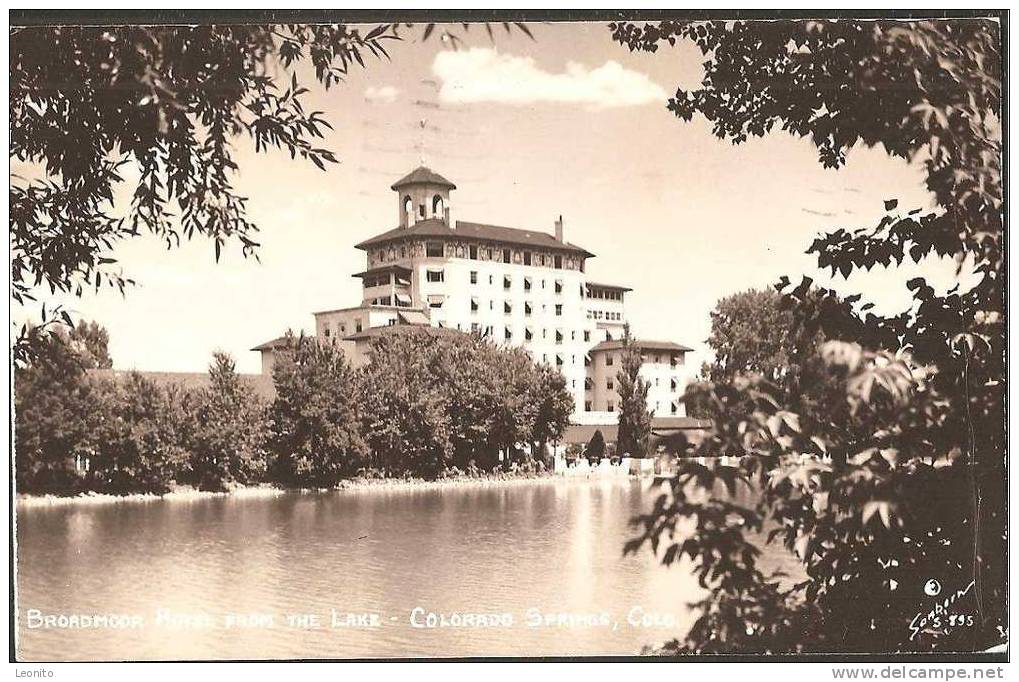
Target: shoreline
(357,485)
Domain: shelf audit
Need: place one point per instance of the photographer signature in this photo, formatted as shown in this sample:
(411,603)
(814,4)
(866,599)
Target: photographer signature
(940,613)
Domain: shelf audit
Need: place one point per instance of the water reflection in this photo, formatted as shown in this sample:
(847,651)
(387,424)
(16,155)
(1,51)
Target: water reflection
(554,546)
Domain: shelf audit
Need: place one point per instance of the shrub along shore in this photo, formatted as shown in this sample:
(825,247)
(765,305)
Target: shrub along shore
(426,407)
(190,494)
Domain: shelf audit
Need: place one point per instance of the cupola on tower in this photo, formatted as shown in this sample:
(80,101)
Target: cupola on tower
(423,195)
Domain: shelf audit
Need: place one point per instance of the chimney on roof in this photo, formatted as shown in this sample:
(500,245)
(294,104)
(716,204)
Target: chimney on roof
(559,229)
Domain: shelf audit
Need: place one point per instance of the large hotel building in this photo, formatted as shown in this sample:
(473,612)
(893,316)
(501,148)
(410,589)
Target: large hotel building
(518,287)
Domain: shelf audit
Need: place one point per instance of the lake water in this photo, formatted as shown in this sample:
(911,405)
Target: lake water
(247,577)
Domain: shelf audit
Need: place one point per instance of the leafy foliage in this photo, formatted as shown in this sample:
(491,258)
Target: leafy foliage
(313,422)
(228,442)
(750,332)
(882,463)
(137,437)
(88,103)
(51,398)
(436,401)
(634,417)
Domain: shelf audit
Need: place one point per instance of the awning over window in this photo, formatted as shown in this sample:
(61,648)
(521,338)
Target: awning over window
(413,317)
(435,298)
(404,298)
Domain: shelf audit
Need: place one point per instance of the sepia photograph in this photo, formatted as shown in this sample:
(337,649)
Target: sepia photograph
(482,335)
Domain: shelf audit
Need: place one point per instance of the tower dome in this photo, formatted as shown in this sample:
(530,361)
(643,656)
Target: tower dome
(423,195)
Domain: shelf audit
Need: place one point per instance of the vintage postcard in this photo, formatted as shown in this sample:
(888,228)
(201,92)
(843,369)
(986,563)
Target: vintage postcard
(528,335)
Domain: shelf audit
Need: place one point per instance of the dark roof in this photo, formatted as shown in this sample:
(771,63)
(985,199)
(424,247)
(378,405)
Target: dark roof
(388,330)
(660,426)
(434,227)
(643,345)
(399,269)
(614,287)
(422,176)
(278,342)
(261,383)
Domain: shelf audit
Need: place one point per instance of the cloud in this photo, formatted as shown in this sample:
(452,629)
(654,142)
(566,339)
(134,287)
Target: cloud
(386,93)
(485,75)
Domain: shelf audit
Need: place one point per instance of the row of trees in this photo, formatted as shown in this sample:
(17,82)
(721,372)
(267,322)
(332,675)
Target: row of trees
(426,405)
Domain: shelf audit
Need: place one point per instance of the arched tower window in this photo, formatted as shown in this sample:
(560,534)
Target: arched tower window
(408,209)
(437,208)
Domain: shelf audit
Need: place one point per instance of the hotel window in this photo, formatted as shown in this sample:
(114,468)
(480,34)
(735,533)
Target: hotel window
(527,283)
(435,301)
(491,279)
(508,334)
(559,286)
(433,249)
(527,334)
(587,361)
(474,305)
(475,327)
(558,360)
(328,332)
(611,406)
(674,384)
(558,337)
(506,307)
(573,336)
(675,408)
(474,276)
(609,384)
(527,257)
(435,276)
(358,329)
(608,360)
(587,335)
(507,282)
(587,406)
(506,257)
(588,384)
(558,262)
(343,329)
(527,309)
(472,251)
(491,305)
(544,333)
(559,309)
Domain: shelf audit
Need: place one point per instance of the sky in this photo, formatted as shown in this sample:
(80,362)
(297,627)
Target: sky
(568,124)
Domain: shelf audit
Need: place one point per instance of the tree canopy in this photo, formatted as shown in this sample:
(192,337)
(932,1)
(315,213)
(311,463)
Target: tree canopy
(889,468)
(87,102)
(634,433)
(750,332)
